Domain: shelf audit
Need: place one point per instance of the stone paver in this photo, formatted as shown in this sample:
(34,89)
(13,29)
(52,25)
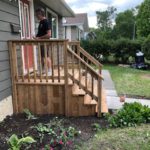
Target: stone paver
(113,101)
(107,83)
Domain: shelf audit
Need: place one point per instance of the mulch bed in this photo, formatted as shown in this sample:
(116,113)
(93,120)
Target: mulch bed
(18,125)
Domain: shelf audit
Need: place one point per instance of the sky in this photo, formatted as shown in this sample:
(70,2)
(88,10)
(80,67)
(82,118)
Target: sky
(91,6)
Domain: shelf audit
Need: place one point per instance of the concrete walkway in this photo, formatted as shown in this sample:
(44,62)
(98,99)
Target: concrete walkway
(113,101)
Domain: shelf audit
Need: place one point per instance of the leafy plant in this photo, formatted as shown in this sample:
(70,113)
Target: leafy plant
(59,135)
(15,143)
(29,115)
(96,127)
(130,115)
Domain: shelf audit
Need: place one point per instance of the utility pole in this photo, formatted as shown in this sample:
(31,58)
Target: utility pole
(134,30)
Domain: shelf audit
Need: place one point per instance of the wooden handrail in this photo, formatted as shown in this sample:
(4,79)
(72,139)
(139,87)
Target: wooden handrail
(87,65)
(37,40)
(91,58)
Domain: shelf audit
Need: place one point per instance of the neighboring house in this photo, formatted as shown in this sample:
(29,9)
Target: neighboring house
(18,21)
(76,28)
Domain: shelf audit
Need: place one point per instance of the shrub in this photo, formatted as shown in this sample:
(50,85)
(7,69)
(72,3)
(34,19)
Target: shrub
(121,49)
(146,47)
(97,48)
(130,115)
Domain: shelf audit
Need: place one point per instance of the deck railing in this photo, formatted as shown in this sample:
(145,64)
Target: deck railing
(75,46)
(66,58)
(27,64)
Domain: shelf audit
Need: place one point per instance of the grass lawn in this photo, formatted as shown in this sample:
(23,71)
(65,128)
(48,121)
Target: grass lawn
(130,81)
(121,139)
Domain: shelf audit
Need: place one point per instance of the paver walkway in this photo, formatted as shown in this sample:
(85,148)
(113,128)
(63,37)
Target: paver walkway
(113,101)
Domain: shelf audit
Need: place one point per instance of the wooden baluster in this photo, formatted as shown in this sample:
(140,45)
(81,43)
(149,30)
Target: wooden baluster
(17,73)
(33,56)
(15,61)
(22,67)
(58,62)
(27,60)
(52,61)
(46,67)
(100,69)
(80,72)
(92,86)
(73,67)
(86,77)
(40,61)
(78,49)
(99,94)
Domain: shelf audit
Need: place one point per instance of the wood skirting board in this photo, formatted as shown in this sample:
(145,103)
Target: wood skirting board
(50,99)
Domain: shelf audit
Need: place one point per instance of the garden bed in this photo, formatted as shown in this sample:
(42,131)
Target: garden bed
(22,127)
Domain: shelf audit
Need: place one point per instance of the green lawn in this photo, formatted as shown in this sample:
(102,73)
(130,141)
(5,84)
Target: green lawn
(121,139)
(130,81)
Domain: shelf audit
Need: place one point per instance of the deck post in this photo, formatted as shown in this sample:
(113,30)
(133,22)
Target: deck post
(66,79)
(13,75)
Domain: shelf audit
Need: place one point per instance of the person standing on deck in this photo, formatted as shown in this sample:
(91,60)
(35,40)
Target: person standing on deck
(44,32)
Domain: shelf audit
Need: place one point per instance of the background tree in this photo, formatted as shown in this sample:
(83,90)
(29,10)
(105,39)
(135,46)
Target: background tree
(105,18)
(125,24)
(143,19)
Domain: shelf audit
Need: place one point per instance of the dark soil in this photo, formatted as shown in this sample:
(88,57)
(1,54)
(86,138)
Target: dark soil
(20,126)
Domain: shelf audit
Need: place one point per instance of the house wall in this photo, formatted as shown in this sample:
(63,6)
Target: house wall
(68,33)
(9,13)
(74,33)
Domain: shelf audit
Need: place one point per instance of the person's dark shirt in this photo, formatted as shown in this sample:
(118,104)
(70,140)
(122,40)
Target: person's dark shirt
(44,26)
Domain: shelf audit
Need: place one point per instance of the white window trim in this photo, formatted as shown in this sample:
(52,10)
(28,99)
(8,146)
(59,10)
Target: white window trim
(26,8)
(20,16)
(54,14)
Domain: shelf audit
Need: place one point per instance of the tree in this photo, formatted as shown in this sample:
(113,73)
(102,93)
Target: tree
(105,18)
(125,24)
(143,19)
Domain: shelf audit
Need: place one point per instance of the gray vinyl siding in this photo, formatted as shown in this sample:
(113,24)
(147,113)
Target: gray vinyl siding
(9,13)
(74,33)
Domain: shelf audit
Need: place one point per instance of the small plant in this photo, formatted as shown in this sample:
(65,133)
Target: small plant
(130,115)
(96,127)
(59,135)
(29,115)
(15,143)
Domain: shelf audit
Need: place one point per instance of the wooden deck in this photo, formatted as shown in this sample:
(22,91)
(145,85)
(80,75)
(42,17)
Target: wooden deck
(54,96)
(73,89)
